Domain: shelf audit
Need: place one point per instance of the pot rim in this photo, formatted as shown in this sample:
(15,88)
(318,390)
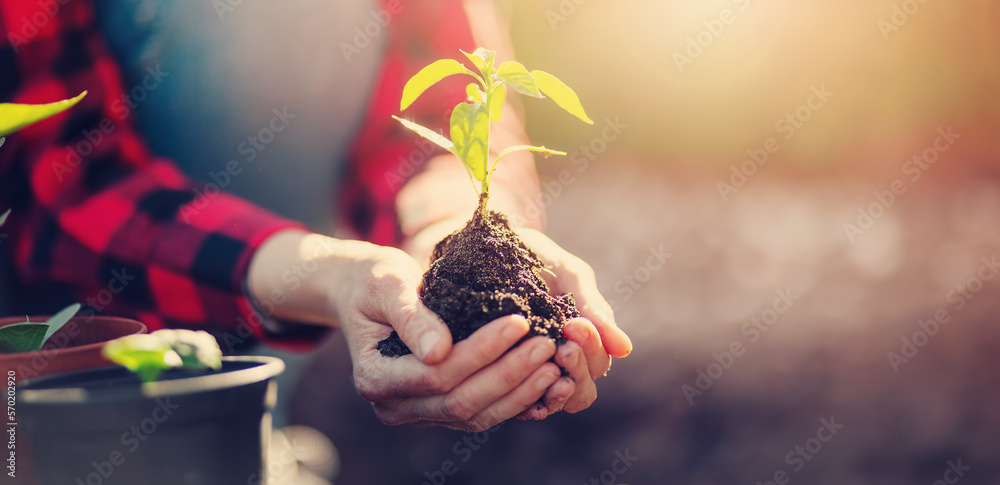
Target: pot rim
(142,328)
(267,368)
(44,318)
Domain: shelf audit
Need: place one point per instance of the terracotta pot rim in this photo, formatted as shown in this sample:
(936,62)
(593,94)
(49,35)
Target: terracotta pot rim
(95,320)
(43,318)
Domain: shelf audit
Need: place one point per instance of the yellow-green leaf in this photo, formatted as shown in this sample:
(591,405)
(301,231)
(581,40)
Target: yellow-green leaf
(3,217)
(473,93)
(563,96)
(428,133)
(16,116)
(520,148)
(149,355)
(482,59)
(496,104)
(470,132)
(519,78)
(428,77)
(145,354)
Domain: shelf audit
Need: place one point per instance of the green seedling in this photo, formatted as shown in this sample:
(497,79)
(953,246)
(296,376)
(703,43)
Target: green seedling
(29,336)
(149,355)
(13,116)
(470,121)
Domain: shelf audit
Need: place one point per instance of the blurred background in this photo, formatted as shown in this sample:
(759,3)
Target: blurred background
(764,345)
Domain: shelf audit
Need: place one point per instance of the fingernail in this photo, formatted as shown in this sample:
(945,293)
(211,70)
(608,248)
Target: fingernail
(567,390)
(540,353)
(539,413)
(545,381)
(515,329)
(573,358)
(563,351)
(557,405)
(628,342)
(562,389)
(579,334)
(427,342)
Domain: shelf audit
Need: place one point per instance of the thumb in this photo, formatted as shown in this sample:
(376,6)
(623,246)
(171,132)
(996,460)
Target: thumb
(595,308)
(418,327)
(573,275)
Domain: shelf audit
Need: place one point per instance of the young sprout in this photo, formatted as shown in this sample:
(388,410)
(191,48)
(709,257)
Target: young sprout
(470,121)
(29,336)
(148,355)
(16,116)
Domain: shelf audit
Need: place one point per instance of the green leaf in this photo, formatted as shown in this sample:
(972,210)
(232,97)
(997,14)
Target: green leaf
(3,217)
(428,77)
(428,133)
(144,354)
(520,148)
(519,78)
(482,59)
(470,132)
(16,116)
(496,104)
(473,93)
(563,96)
(2,139)
(22,337)
(148,355)
(59,319)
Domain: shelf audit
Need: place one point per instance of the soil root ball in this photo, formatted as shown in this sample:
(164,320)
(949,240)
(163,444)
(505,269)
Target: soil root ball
(483,272)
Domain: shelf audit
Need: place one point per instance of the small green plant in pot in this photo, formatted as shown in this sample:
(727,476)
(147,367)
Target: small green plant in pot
(484,271)
(36,346)
(174,411)
(28,336)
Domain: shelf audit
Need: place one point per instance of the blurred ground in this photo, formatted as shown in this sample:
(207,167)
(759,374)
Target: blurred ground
(823,358)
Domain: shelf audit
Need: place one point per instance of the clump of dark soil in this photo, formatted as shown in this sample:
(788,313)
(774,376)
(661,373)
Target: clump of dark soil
(483,272)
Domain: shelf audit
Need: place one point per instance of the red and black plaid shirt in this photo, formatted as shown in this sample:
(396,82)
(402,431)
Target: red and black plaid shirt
(117,213)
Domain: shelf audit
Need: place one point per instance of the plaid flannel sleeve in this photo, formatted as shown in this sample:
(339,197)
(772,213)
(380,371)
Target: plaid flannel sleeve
(385,154)
(96,212)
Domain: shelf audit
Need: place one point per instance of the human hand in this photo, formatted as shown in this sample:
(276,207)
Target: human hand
(593,339)
(471,385)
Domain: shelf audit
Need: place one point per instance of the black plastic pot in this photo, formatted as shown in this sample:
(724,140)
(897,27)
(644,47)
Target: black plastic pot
(103,426)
